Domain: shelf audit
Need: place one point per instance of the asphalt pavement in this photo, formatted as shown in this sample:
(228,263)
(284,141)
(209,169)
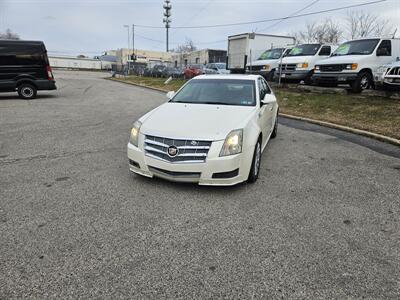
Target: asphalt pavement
(321,222)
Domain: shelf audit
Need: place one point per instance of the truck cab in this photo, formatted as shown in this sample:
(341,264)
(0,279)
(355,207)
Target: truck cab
(299,63)
(355,62)
(268,62)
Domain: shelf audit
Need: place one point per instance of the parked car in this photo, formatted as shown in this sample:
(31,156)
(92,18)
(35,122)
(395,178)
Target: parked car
(172,72)
(267,64)
(197,69)
(211,132)
(299,63)
(388,75)
(148,72)
(220,68)
(25,68)
(246,47)
(158,70)
(355,62)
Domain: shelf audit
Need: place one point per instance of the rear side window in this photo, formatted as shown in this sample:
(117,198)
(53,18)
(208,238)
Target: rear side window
(325,51)
(385,48)
(22,55)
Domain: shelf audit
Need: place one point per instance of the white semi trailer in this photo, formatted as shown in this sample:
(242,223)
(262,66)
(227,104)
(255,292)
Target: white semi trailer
(246,47)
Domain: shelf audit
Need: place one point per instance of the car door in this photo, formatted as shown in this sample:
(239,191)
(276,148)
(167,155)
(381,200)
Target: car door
(264,115)
(383,55)
(271,108)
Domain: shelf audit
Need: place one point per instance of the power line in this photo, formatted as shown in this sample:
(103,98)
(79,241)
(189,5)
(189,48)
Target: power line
(292,15)
(268,20)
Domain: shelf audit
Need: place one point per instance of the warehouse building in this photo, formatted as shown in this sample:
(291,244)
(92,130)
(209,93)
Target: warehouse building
(203,56)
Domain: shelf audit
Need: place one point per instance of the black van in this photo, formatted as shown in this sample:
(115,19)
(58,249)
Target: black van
(24,67)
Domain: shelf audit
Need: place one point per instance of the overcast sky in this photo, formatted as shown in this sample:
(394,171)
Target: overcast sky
(93,26)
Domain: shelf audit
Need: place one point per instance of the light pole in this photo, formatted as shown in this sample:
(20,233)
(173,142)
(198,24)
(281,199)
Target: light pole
(167,17)
(127,61)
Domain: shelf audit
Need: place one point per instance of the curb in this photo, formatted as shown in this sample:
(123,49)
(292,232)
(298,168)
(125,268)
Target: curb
(375,136)
(139,85)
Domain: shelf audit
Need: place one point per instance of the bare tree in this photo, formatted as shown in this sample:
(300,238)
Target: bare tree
(325,32)
(362,24)
(9,35)
(188,46)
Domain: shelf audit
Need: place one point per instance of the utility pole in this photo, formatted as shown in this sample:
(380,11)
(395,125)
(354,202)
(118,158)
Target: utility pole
(167,18)
(133,41)
(129,43)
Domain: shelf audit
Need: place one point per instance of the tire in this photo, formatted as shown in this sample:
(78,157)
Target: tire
(271,76)
(362,82)
(308,79)
(27,91)
(255,164)
(275,130)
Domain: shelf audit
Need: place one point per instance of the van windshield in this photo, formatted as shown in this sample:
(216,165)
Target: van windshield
(360,47)
(271,54)
(305,50)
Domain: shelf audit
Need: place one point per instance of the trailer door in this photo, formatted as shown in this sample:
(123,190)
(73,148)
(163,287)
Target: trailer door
(237,53)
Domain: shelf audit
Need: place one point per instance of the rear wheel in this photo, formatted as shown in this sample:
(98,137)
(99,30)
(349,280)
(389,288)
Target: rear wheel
(255,165)
(27,91)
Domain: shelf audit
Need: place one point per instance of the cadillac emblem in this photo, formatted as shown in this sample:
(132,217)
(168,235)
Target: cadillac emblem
(172,151)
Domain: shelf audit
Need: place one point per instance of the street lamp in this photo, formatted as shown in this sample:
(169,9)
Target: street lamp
(167,17)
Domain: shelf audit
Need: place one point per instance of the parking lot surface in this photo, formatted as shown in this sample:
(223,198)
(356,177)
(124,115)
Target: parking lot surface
(322,221)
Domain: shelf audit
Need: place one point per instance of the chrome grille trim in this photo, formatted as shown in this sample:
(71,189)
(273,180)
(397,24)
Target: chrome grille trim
(157,148)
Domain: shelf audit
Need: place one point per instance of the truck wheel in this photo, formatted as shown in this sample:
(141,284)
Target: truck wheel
(362,82)
(308,79)
(271,75)
(27,91)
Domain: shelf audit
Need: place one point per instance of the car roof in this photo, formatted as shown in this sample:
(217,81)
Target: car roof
(228,76)
(21,42)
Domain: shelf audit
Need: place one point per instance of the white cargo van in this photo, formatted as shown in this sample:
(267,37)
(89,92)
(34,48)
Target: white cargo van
(300,61)
(355,62)
(246,47)
(267,63)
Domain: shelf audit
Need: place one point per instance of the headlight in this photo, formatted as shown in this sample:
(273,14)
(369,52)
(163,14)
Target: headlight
(134,138)
(266,67)
(316,68)
(351,67)
(302,65)
(381,70)
(233,143)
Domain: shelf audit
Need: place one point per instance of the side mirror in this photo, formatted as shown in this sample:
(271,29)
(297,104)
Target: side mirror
(170,95)
(268,99)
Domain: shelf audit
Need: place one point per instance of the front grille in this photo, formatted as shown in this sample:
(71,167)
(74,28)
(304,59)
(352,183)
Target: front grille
(287,67)
(332,68)
(189,151)
(255,68)
(175,174)
(395,71)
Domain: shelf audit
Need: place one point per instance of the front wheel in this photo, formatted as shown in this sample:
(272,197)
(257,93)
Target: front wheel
(27,91)
(255,165)
(275,130)
(362,82)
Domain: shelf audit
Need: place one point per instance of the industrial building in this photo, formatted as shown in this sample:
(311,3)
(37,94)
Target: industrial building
(203,56)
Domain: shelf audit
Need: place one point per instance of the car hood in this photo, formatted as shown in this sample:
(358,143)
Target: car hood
(262,62)
(345,59)
(195,121)
(296,59)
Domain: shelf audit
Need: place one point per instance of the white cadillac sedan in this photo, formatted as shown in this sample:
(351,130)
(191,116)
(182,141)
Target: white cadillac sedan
(211,132)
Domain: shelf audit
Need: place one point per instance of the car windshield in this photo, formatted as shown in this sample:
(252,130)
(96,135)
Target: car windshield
(271,54)
(218,91)
(360,47)
(220,66)
(304,50)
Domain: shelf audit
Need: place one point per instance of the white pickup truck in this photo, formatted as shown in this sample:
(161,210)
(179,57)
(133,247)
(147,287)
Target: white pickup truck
(355,62)
(300,61)
(267,64)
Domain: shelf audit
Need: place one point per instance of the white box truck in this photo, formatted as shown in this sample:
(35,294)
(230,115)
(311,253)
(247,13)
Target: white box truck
(245,47)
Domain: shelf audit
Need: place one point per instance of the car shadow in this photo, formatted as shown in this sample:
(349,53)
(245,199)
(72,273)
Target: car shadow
(16,97)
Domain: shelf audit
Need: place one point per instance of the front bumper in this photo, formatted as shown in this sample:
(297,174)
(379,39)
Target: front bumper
(295,74)
(330,77)
(233,169)
(382,80)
